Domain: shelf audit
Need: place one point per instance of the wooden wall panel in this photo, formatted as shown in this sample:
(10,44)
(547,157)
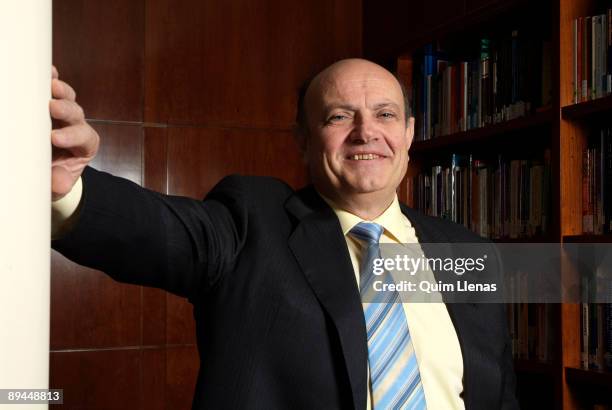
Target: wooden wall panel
(91,310)
(180,326)
(98,49)
(154,379)
(182,364)
(155,158)
(240,63)
(97,380)
(121,150)
(198,158)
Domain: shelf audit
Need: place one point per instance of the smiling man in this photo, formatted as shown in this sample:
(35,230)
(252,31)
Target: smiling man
(277,277)
(355,136)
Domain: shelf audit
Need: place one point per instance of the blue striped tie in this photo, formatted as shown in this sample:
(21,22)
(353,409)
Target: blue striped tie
(394,371)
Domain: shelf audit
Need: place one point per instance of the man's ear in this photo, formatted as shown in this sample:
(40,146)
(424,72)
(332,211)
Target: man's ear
(410,132)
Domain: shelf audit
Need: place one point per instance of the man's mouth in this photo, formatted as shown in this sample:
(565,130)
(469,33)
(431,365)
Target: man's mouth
(364,157)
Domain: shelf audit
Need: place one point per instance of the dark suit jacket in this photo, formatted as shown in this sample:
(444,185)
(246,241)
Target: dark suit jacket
(278,315)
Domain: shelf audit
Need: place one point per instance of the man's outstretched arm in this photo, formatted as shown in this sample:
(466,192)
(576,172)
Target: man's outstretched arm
(133,234)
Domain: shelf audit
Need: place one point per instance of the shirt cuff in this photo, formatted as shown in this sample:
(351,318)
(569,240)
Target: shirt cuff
(64,211)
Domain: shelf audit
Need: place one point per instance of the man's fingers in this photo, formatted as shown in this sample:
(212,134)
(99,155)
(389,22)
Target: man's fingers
(61,182)
(67,111)
(62,91)
(81,140)
(54,72)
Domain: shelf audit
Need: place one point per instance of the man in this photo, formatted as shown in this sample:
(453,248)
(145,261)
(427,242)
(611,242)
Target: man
(275,275)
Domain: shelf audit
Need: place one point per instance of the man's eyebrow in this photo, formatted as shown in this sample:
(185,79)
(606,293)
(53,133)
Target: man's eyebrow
(350,107)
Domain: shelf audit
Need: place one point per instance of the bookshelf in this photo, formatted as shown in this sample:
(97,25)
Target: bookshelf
(593,109)
(560,126)
(488,134)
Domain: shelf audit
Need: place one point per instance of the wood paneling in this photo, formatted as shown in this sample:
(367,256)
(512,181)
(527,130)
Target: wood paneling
(155,158)
(154,379)
(121,150)
(98,49)
(107,379)
(182,364)
(180,326)
(199,157)
(89,309)
(240,63)
(153,317)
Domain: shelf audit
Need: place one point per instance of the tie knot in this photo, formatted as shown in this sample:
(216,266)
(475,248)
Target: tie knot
(367,231)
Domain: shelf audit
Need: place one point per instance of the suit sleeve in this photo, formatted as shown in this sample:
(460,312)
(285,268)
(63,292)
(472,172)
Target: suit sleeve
(142,237)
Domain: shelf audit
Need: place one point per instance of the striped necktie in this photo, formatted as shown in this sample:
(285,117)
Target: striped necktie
(394,371)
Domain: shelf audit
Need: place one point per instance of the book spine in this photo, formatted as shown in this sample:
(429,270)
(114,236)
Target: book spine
(575,60)
(584,323)
(609,52)
(607,185)
(588,23)
(603,54)
(580,58)
(608,327)
(595,56)
(587,205)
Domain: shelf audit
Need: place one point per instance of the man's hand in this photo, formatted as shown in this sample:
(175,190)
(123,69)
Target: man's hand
(75,143)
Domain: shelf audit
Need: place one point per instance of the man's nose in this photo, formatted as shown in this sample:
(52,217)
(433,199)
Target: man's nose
(363,131)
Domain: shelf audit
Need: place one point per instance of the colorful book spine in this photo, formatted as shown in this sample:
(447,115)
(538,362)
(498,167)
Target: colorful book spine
(591,59)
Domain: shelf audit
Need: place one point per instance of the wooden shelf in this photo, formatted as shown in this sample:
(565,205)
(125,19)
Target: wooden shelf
(534,367)
(481,134)
(587,109)
(591,378)
(587,238)
(527,239)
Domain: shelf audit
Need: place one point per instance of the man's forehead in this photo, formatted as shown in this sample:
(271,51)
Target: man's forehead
(343,85)
(346,79)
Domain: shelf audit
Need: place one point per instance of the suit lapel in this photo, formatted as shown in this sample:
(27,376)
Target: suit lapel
(428,234)
(320,250)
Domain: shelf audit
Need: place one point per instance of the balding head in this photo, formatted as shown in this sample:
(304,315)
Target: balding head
(313,86)
(355,135)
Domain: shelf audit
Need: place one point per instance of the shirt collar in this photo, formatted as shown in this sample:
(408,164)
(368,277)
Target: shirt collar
(392,219)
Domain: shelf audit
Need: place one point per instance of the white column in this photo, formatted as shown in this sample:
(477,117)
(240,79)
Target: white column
(25,155)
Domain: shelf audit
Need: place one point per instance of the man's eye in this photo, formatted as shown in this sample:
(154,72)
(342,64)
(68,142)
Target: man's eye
(387,114)
(337,117)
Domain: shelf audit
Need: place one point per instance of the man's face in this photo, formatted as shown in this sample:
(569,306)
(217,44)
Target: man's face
(358,138)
